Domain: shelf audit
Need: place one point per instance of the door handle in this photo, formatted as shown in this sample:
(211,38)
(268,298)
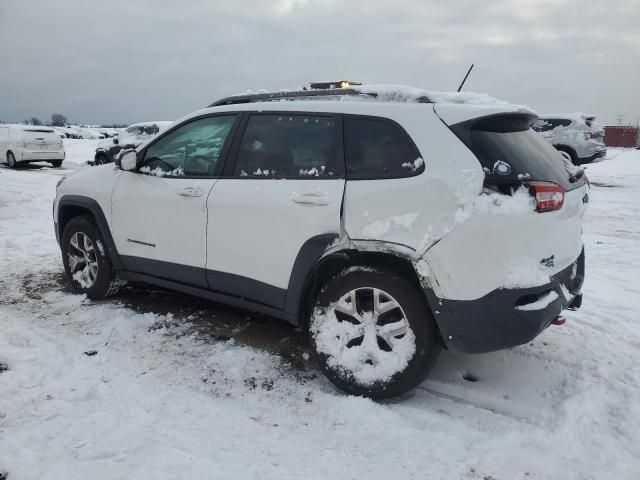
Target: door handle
(190,192)
(311,198)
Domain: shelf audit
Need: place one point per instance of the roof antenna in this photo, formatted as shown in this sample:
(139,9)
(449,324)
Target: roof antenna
(465,77)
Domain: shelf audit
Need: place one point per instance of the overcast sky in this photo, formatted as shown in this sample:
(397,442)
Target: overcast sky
(101,61)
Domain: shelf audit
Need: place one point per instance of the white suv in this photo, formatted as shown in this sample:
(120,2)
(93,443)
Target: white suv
(577,135)
(387,229)
(25,143)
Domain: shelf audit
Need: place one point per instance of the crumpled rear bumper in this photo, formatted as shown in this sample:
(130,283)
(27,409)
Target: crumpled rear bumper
(498,320)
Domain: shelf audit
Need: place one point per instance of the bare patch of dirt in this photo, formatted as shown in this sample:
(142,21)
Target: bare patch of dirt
(209,320)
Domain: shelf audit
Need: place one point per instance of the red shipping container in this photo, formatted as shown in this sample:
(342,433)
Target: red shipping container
(619,136)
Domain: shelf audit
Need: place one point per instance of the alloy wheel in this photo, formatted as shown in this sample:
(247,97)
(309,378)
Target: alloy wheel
(83,260)
(365,332)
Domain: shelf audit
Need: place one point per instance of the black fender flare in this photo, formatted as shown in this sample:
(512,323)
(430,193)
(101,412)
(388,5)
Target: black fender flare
(311,258)
(305,264)
(95,210)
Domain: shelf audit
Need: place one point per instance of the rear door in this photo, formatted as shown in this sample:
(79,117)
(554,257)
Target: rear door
(159,212)
(284,190)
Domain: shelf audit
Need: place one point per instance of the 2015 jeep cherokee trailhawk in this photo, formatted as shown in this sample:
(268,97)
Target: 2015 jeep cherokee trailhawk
(387,223)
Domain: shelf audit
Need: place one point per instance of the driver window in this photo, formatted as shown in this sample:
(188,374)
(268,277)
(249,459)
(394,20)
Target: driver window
(192,149)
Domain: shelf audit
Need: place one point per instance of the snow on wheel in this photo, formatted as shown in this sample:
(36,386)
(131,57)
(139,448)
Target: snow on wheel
(373,334)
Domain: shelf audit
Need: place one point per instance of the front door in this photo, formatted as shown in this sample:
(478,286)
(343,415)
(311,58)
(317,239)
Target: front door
(159,212)
(286,189)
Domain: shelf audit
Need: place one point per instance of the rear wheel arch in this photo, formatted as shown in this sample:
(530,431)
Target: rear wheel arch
(569,150)
(329,266)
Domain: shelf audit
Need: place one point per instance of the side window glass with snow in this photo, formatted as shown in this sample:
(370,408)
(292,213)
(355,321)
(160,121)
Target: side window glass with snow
(192,149)
(290,146)
(379,148)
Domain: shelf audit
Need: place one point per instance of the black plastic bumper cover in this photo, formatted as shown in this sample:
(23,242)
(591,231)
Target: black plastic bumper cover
(493,322)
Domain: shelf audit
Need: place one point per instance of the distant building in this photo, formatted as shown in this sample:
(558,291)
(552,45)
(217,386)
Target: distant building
(621,136)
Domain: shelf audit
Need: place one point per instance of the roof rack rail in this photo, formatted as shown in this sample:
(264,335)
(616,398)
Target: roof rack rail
(332,85)
(274,96)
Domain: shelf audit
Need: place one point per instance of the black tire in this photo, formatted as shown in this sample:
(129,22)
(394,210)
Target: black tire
(417,313)
(56,163)
(106,281)
(101,159)
(11,160)
(569,151)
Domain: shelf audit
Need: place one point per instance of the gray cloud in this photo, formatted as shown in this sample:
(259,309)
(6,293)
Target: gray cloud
(124,61)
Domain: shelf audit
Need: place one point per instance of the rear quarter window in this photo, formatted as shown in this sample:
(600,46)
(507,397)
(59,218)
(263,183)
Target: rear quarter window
(379,148)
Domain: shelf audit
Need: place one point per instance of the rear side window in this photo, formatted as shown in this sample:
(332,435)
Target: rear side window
(379,148)
(290,146)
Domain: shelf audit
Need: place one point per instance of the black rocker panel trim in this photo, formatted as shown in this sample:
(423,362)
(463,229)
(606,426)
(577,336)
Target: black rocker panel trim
(244,287)
(185,274)
(208,294)
(101,222)
(221,282)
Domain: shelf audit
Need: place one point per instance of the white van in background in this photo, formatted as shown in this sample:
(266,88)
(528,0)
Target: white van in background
(26,143)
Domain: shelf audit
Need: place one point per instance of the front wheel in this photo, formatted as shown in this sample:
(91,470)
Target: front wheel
(85,260)
(56,163)
(373,334)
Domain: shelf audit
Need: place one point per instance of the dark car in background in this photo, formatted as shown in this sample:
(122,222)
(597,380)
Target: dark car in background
(132,136)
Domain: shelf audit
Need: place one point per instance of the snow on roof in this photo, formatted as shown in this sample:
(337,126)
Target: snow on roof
(575,116)
(404,93)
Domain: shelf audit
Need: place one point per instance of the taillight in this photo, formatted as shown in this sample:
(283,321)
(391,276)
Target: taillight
(592,135)
(549,196)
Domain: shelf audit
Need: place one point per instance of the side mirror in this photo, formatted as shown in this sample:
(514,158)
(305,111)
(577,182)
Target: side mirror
(128,160)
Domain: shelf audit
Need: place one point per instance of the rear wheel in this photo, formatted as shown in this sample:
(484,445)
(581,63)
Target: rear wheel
(565,155)
(11,160)
(568,151)
(56,163)
(373,334)
(85,260)
(101,159)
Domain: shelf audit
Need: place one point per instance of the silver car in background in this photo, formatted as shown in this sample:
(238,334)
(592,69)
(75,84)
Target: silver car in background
(577,135)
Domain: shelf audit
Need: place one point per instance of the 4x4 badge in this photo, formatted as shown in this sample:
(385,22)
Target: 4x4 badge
(501,168)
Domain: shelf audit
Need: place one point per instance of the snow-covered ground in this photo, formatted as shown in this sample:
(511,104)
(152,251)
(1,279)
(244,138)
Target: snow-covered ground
(161,398)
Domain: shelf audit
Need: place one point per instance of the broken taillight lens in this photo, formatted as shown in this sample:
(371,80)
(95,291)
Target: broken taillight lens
(549,196)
